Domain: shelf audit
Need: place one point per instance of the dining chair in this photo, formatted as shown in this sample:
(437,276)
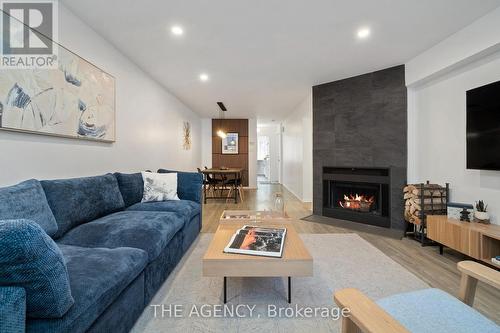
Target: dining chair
(217,183)
(208,182)
(235,184)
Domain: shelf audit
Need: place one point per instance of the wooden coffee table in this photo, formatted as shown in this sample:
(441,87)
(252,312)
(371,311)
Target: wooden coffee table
(296,260)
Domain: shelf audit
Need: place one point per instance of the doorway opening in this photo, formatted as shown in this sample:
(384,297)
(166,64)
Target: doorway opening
(269,153)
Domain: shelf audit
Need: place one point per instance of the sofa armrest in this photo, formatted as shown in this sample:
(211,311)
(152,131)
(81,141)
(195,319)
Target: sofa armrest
(365,315)
(12,309)
(189,184)
(471,273)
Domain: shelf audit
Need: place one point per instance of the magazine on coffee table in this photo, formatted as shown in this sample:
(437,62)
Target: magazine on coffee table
(258,241)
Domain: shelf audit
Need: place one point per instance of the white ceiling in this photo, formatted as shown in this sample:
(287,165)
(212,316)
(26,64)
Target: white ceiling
(263,56)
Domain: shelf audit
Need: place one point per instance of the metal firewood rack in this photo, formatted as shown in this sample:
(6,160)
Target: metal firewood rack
(438,206)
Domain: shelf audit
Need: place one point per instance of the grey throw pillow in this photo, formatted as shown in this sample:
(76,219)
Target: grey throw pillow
(159,186)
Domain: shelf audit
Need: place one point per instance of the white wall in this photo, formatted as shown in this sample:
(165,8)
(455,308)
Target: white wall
(297,151)
(252,153)
(149,123)
(466,46)
(437,114)
(206,143)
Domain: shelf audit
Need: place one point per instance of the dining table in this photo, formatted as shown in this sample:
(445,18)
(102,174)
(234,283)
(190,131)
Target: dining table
(221,173)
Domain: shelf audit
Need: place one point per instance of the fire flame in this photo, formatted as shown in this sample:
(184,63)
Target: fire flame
(357,202)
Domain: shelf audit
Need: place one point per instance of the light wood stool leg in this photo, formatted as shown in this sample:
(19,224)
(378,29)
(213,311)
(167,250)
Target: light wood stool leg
(240,190)
(348,326)
(467,289)
(230,190)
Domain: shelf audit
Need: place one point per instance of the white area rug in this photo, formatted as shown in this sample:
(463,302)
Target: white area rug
(340,261)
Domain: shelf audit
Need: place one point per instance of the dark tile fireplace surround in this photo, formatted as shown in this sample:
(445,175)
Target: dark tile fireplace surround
(360,148)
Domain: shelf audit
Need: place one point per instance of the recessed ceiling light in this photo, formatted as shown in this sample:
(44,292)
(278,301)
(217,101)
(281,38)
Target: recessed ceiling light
(177,30)
(363,32)
(203,77)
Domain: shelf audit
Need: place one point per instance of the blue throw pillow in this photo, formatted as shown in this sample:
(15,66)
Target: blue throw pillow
(131,187)
(29,258)
(27,200)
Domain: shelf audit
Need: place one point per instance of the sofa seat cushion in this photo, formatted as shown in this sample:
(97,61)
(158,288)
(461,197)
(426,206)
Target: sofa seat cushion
(433,310)
(97,277)
(148,231)
(79,200)
(188,209)
(27,200)
(30,259)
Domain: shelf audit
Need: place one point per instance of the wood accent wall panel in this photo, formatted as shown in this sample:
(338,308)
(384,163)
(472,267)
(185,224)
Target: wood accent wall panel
(239,126)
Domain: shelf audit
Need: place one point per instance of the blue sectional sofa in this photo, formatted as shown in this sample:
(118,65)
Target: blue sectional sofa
(117,250)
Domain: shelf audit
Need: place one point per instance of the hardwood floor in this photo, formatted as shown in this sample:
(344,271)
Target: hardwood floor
(425,262)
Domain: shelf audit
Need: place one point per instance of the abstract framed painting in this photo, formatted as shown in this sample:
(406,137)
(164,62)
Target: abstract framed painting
(230,144)
(74,100)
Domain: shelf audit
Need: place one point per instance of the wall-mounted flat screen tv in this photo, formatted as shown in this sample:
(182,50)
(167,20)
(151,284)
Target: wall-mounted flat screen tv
(483,127)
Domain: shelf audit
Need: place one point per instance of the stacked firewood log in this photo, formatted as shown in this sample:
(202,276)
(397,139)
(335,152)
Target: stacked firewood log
(423,198)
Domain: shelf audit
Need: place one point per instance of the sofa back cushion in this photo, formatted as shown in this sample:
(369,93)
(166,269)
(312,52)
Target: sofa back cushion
(131,187)
(27,200)
(79,200)
(29,258)
(189,184)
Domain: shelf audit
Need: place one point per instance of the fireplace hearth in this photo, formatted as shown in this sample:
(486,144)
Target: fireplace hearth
(357,194)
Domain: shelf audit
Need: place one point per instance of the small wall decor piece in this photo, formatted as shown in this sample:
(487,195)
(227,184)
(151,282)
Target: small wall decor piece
(230,144)
(75,100)
(187,136)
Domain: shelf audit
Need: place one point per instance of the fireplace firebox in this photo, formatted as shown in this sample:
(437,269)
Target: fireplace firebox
(357,194)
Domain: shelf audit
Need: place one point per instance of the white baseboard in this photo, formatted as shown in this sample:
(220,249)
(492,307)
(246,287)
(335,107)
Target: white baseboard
(295,194)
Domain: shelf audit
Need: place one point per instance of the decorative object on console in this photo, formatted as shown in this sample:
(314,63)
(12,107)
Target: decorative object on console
(422,200)
(230,144)
(481,214)
(159,186)
(187,136)
(453,209)
(76,100)
(464,215)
